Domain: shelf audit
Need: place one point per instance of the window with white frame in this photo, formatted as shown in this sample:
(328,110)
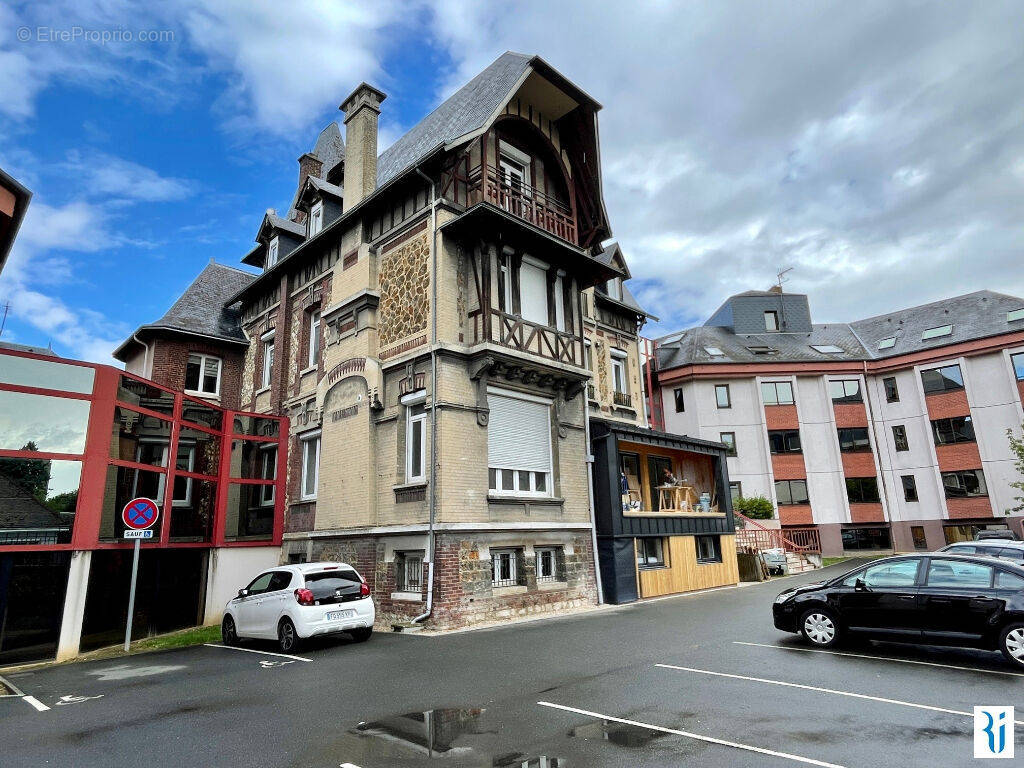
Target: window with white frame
(314,340)
(505,283)
(518,444)
(515,168)
(154,451)
(415,438)
(316,218)
(267,339)
(202,374)
(310,444)
(409,571)
(272,251)
(547,563)
(268,471)
(619,379)
(504,571)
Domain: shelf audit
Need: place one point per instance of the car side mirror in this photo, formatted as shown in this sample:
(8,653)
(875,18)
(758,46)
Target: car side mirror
(243,592)
(860,586)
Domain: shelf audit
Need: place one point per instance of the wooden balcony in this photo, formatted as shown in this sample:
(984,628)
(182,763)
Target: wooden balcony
(488,184)
(514,332)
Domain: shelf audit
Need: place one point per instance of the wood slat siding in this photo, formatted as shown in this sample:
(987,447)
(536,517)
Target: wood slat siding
(685,574)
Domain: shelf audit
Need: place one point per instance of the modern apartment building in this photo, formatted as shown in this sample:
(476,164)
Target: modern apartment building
(884,433)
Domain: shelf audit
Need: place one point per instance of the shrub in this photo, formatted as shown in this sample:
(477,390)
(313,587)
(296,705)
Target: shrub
(755,507)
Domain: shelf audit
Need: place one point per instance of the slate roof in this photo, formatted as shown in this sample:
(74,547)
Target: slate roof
(324,186)
(284,224)
(20,509)
(329,150)
(466,110)
(201,308)
(973,316)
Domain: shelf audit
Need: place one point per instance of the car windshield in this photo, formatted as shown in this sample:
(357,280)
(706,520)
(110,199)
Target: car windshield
(327,583)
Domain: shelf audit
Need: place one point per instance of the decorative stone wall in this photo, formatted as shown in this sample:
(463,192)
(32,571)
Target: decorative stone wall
(404,289)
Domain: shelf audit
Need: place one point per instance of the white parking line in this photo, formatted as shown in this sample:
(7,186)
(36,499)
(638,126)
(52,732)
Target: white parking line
(35,703)
(824,690)
(687,734)
(881,658)
(254,650)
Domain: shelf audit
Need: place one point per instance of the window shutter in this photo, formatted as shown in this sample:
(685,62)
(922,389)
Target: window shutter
(533,283)
(518,434)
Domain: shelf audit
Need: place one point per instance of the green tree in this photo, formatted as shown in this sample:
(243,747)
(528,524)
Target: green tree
(1017,448)
(755,507)
(31,474)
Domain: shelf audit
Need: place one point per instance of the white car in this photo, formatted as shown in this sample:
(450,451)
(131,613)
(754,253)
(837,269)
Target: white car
(291,603)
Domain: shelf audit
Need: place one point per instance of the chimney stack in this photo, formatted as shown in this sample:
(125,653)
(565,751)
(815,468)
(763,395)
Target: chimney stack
(361,109)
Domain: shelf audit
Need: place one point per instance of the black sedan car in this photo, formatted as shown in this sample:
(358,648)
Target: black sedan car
(933,599)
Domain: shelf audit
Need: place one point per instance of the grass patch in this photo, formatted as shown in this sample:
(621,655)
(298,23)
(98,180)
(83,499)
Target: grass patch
(193,636)
(827,561)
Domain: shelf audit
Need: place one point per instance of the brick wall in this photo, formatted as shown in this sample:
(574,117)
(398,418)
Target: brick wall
(850,415)
(866,513)
(958,456)
(170,356)
(796,514)
(964,509)
(781,417)
(463,594)
(788,466)
(860,464)
(945,405)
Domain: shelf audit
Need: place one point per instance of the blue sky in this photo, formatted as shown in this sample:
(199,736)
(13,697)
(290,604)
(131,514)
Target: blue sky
(876,148)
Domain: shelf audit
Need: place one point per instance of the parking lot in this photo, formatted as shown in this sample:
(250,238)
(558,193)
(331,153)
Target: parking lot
(702,680)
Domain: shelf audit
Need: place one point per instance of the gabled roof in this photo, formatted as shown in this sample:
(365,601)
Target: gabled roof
(201,309)
(465,111)
(320,185)
(285,225)
(612,256)
(329,150)
(972,316)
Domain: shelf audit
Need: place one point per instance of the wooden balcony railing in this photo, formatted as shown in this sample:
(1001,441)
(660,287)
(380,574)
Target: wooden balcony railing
(487,183)
(514,332)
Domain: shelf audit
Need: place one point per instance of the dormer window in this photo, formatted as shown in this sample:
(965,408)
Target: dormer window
(316,218)
(514,166)
(272,247)
(771,320)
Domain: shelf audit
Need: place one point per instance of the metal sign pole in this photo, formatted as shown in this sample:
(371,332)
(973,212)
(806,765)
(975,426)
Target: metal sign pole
(131,598)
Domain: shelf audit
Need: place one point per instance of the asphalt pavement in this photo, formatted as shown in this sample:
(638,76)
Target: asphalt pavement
(698,680)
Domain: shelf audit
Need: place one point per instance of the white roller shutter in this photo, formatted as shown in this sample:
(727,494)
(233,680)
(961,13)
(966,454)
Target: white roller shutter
(518,434)
(533,293)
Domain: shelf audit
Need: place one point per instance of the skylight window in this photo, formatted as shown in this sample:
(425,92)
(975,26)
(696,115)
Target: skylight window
(761,350)
(828,349)
(1015,314)
(714,351)
(887,343)
(933,333)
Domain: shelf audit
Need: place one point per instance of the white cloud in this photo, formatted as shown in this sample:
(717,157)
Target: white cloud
(101,174)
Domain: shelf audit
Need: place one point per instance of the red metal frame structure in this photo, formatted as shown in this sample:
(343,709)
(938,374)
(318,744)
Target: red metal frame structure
(97,458)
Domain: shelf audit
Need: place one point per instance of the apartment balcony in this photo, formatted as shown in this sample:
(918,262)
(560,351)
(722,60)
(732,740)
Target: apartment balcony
(514,332)
(591,392)
(622,399)
(487,184)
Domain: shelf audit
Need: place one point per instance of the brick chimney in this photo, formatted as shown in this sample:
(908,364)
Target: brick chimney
(361,109)
(309,165)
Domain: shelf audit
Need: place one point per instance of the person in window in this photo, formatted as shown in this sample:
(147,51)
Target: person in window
(668,478)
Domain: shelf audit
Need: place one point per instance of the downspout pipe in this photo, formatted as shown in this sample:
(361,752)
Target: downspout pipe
(433,400)
(145,359)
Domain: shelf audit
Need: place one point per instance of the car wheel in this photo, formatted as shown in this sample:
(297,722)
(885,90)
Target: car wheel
(362,634)
(228,631)
(1011,643)
(287,637)
(820,627)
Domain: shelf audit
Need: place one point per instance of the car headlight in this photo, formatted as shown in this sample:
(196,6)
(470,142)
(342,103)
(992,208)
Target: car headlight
(784,597)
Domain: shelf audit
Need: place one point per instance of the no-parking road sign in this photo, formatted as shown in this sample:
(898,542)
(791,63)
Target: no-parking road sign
(139,514)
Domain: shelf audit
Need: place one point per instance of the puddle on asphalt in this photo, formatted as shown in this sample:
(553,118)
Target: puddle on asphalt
(457,736)
(620,734)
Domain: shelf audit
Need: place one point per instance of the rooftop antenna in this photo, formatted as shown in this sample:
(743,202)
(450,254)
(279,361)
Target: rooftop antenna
(780,277)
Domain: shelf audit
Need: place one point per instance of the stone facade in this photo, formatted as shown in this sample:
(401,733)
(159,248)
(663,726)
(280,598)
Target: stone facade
(405,290)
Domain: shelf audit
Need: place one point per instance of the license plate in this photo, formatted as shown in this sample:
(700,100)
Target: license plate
(339,615)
